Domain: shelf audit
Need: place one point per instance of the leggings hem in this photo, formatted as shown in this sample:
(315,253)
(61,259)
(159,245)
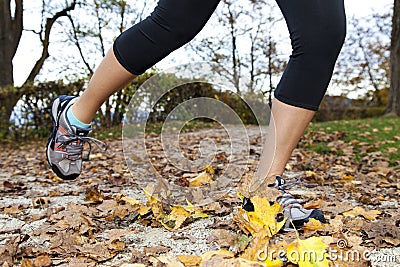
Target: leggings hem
(295,104)
(121,61)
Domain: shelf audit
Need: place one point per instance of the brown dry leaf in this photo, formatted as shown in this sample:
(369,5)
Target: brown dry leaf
(360,211)
(116,234)
(116,246)
(169,261)
(258,244)
(246,186)
(224,238)
(97,251)
(26,263)
(189,260)
(41,202)
(42,261)
(13,210)
(120,211)
(63,242)
(221,254)
(336,223)
(107,205)
(93,195)
(157,250)
(9,250)
(132,265)
(393,241)
(313,204)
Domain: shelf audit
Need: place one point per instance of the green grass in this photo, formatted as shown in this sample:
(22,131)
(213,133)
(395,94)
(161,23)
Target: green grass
(372,131)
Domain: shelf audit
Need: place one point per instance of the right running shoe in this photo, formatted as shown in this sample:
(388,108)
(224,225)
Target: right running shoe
(65,145)
(296,215)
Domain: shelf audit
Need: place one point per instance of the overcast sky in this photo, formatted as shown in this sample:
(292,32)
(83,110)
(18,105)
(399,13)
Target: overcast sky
(29,48)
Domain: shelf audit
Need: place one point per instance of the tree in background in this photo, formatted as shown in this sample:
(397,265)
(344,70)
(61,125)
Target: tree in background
(242,45)
(363,65)
(93,36)
(393,107)
(11,27)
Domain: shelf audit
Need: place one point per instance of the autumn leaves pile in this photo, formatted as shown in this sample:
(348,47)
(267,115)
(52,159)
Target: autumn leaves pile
(259,227)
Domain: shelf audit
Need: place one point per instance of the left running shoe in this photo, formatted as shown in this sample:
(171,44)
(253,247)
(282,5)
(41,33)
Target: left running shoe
(65,144)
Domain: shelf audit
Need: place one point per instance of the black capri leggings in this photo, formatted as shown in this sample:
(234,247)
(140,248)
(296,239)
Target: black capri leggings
(317,30)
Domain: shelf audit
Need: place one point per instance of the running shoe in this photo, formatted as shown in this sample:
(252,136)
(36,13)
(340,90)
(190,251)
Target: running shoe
(65,145)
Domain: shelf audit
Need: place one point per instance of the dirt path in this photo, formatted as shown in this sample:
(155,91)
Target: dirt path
(87,223)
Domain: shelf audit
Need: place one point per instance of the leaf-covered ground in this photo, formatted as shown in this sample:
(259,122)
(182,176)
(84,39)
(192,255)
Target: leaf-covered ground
(106,218)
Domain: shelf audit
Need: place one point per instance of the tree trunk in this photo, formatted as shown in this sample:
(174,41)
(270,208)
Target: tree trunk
(393,107)
(10,36)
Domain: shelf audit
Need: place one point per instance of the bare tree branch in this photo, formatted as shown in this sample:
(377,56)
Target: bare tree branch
(46,41)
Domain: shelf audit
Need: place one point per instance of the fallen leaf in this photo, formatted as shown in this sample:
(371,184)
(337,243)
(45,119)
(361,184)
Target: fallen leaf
(308,253)
(41,202)
(210,254)
(189,260)
(42,261)
(131,201)
(360,211)
(264,217)
(13,210)
(203,178)
(312,225)
(94,195)
(169,261)
(26,263)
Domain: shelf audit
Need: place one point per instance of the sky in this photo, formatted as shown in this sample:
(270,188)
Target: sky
(29,48)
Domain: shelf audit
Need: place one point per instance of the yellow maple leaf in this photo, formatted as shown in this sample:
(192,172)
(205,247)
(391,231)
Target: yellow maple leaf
(209,169)
(310,252)
(130,200)
(177,215)
(264,216)
(203,178)
(312,225)
(262,251)
(143,209)
(189,260)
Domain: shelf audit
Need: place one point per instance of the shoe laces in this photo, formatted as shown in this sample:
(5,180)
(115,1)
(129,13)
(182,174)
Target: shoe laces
(287,199)
(74,145)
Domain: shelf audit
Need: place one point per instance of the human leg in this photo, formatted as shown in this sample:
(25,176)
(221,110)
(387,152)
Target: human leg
(172,24)
(317,29)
